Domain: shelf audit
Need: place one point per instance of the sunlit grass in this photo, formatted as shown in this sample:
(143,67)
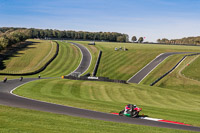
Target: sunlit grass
(112,97)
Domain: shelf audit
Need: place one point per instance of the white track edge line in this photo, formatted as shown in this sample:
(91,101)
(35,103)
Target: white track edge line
(152,70)
(152,119)
(90,59)
(145,66)
(80,61)
(11,92)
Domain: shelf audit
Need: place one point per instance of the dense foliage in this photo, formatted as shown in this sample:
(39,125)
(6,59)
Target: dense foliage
(79,35)
(10,35)
(185,40)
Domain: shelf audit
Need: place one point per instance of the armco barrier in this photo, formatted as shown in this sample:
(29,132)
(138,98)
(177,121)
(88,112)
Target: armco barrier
(39,70)
(105,79)
(97,64)
(172,69)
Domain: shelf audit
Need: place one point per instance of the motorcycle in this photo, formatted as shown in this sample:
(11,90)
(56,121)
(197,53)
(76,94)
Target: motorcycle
(130,111)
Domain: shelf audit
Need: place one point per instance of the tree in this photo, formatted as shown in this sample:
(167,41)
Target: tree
(158,41)
(164,40)
(134,38)
(121,39)
(141,39)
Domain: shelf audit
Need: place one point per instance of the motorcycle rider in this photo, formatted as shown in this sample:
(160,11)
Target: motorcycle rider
(128,109)
(5,79)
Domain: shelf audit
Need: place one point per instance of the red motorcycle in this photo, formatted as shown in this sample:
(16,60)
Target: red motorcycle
(130,111)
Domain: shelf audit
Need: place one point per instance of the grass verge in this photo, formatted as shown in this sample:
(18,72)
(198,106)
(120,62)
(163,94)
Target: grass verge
(68,59)
(31,58)
(161,69)
(192,70)
(112,97)
(15,120)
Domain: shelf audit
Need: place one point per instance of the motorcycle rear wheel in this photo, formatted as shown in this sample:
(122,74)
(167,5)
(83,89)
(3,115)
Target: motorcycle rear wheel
(121,113)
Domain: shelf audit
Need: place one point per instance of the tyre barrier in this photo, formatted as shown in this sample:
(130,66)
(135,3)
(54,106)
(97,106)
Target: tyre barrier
(172,69)
(97,64)
(105,79)
(39,70)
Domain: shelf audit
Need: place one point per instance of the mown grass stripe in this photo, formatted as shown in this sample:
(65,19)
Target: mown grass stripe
(67,61)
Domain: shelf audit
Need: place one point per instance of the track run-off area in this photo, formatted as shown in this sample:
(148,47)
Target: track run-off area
(10,99)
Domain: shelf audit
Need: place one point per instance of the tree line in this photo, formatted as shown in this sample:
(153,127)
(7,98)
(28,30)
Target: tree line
(82,35)
(185,40)
(11,35)
(79,35)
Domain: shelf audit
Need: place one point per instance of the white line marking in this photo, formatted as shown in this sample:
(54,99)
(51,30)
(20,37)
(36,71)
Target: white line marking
(80,61)
(152,70)
(90,60)
(144,67)
(11,92)
(152,119)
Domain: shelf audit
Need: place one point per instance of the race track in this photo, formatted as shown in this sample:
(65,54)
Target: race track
(85,61)
(139,76)
(9,99)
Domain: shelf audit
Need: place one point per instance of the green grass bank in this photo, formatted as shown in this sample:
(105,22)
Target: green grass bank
(112,97)
(15,120)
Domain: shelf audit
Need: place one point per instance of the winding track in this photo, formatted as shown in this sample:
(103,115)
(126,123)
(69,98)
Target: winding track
(9,99)
(139,76)
(86,59)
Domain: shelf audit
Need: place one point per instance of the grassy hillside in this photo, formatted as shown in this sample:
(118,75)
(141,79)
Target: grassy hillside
(108,97)
(179,79)
(124,64)
(193,70)
(30,58)
(162,68)
(68,59)
(175,98)
(15,120)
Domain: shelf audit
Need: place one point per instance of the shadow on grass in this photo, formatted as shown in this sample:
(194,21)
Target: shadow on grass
(13,51)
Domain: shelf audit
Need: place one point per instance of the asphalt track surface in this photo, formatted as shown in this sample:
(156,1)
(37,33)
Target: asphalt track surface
(139,76)
(9,99)
(86,59)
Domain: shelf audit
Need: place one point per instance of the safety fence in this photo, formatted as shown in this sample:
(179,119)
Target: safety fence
(105,79)
(97,64)
(172,69)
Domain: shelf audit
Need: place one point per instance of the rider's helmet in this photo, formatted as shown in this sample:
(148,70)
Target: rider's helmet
(128,106)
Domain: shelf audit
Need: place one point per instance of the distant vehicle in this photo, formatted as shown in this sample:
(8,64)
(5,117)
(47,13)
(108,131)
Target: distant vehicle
(5,79)
(91,43)
(130,111)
